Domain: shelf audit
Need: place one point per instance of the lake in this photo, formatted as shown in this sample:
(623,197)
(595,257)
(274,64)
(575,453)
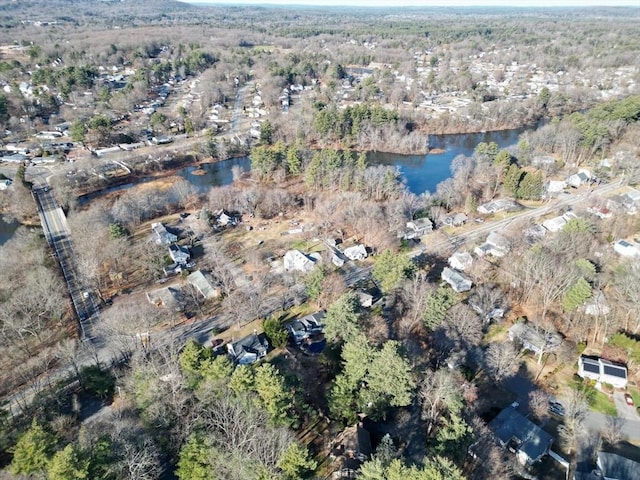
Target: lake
(422,172)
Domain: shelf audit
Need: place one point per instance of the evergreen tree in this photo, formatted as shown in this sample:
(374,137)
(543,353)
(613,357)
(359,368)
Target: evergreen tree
(342,320)
(295,462)
(531,186)
(194,461)
(67,464)
(274,395)
(33,451)
(390,269)
(576,295)
(438,304)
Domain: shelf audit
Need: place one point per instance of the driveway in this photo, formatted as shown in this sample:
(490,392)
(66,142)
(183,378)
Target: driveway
(627,412)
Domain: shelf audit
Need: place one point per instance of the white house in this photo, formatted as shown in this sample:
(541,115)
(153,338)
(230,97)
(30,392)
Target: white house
(420,226)
(602,371)
(496,206)
(357,252)
(495,245)
(556,186)
(179,254)
(456,279)
(556,224)
(5,183)
(626,248)
(580,178)
(461,261)
(296,260)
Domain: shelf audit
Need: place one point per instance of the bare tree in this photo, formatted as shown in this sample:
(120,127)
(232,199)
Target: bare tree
(612,432)
(502,360)
(539,404)
(576,408)
(438,393)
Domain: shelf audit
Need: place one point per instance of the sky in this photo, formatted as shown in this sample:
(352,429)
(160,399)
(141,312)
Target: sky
(433,3)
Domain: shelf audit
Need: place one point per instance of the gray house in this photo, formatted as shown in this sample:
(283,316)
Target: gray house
(302,328)
(179,254)
(529,442)
(456,279)
(534,339)
(161,235)
(248,350)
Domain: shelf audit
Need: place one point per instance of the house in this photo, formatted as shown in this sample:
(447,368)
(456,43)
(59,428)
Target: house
(627,201)
(295,260)
(5,183)
(460,261)
(534,339)
(610,466)
(456,279)
(456,220)
(161,235)
(555,186)
(349,451)
(303,328)
(15,158)
(535,232)
(580,178)
(495,245)
(597,305)
(357,252)
(556,224)
(167,297)
(179,254)
(418,227)
(224,219)
(600,211)
(366,299)
(616,467)
(495,206)
(202,284)
(602,371)
(521,436)
(626,248)
(542,161)
(248,350)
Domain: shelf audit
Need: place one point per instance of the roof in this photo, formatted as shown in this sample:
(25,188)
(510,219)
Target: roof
(617,467)
(296,260)
(167,297)
(461,260)
(530,337)
(357,252)
(248,349)
(533,441)
(200,282)
(457,280)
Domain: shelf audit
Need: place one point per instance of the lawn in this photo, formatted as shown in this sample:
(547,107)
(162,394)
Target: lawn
(601,403)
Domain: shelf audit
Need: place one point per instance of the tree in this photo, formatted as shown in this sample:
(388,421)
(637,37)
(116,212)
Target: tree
(576,295)
(343,318)
(342,400)
(194,461)
(78,131)
(275,332)
(274,395)
(438,393)
(295,462)
(531,187)
(157,120)
(390,269)
(266,132)
(512,180)
(575,414)
(502,360)
(33,450)
(453,437)
(313,282)
(438,304)
(68,464)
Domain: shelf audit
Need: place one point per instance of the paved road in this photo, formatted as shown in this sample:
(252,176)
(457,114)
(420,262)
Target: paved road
(56,229)
(488,227)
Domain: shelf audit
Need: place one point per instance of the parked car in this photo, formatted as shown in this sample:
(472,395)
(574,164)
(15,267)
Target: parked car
(629,399)
(556,408)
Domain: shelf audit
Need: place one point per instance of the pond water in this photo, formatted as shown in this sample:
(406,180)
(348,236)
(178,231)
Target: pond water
(424,172)
(7,230)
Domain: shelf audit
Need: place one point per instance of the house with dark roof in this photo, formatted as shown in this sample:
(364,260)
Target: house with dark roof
(521,436)
(302,328)
(610,466)
(602,371)
(248,350)
(179,254)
